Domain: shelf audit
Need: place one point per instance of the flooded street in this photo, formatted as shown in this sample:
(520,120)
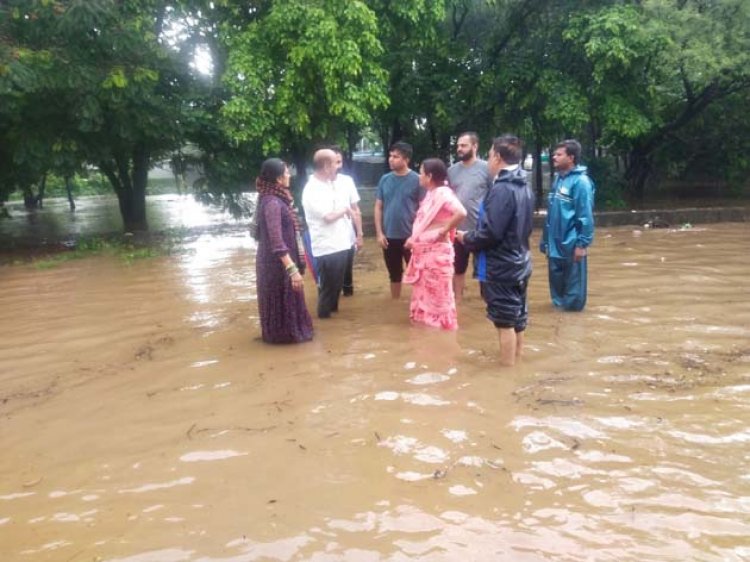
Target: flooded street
(144,421)
(100,215)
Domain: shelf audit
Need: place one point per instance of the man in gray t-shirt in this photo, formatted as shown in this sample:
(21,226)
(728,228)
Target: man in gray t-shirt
(471,179)
(396,206)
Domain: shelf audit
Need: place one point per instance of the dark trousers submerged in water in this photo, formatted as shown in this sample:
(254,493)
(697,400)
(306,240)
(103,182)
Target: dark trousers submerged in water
(567,283)
(331,271)
(349,275)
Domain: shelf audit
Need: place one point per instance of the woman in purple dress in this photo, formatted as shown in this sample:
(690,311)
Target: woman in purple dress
(279,263)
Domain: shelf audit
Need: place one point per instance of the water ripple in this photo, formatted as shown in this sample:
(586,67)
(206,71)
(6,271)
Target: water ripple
(196,456)
(151,487)
(739,437)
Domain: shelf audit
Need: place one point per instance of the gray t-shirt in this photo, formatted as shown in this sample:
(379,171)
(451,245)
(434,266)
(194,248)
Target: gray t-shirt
(400,196)
(471,184)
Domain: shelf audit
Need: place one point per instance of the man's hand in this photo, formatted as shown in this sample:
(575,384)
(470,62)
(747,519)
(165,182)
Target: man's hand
(383,241)
(579,253)
(460,235)
(333,216)
(360,242)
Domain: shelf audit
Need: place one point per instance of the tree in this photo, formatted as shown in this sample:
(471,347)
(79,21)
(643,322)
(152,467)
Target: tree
(111,82)
(409,32)
(656,66)
(226,164)
(301,73)
(528,84)
(100,76)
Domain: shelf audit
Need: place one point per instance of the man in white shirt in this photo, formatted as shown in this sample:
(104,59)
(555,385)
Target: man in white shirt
(346,184)
(328,214)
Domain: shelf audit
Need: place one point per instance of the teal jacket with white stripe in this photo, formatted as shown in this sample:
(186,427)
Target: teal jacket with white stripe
(570,215)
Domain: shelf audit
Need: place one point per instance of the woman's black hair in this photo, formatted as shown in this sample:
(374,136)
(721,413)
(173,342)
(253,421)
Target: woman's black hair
(435,168)
(272,169)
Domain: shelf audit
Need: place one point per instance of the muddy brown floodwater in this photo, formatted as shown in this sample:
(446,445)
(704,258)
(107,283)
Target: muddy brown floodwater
(143,420)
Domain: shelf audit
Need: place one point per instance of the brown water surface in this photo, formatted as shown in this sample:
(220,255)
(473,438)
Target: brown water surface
(143,420)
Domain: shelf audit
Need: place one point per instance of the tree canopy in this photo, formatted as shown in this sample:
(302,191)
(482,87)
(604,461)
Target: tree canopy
(116,84)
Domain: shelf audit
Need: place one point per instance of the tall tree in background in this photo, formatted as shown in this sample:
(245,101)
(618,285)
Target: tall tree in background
(408,30)
(199,29)
(529,85)
(100,77)
(134,96)
(299,72)
(656,66)
(115,83)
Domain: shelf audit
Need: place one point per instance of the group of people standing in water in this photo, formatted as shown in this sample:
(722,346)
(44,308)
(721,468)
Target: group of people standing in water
(428,225)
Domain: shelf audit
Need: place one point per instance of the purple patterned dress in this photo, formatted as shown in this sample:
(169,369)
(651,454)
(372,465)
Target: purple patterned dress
(283,314)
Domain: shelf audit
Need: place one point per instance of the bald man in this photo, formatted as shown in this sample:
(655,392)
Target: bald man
(329,220)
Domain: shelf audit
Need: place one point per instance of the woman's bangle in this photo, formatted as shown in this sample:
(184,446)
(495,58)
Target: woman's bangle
(292,270)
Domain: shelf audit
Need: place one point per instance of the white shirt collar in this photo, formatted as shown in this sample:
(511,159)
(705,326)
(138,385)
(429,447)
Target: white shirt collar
(509,167)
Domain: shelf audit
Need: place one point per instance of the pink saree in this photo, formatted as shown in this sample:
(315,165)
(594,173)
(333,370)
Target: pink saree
(430,268)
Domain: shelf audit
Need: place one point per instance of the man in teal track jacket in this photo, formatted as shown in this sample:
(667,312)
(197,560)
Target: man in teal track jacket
(569,229)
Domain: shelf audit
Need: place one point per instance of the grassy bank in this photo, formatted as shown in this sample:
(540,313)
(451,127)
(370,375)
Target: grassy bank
(127,248)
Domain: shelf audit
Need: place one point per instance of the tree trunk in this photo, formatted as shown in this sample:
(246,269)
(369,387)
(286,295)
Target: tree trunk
(179,167)
(352,135)
(69,191)
(637,172)
(538,176)
(549,163)
(299,159)
(137,221)
(433,136)
(444,148)
(384,139)
(397,132)
(590,148)
(42,186)
(128,176)
(29,199)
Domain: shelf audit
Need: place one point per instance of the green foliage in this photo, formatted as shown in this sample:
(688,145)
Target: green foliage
(656,66)
(712,151)
(296,73)
(110,84)
(609,182)
(424,78)
(91,82)
(122,249)
(95,184)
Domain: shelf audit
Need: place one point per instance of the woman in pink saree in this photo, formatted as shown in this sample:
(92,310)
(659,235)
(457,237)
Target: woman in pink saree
(430,268)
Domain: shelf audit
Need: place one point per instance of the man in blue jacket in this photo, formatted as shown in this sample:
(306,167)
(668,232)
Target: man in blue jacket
(501,242)
(569,229)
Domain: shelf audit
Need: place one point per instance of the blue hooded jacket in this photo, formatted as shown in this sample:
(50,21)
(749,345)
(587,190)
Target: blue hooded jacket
(570,215)
(501,240)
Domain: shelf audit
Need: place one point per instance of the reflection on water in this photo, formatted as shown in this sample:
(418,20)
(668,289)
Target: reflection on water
(143,421)
(98,215)
(202,257)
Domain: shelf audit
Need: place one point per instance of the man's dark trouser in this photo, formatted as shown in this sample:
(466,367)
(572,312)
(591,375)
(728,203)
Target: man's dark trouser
(567,283)
(349,275)
(331,271)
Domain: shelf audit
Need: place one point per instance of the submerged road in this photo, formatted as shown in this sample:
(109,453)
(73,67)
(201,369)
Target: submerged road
(142,420)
